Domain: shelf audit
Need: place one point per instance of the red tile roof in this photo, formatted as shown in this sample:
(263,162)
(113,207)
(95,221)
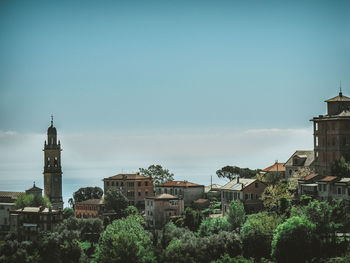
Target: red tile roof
(163,196)
(128,177)
(309,177)
(328,178)
(276,167)
(179,184)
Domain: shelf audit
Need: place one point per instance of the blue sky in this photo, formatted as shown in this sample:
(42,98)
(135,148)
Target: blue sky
(167,68)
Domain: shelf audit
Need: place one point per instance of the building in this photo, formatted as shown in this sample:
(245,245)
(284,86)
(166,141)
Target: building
(7,203)
(92,208)
(299,159)
(332,134)
(308,185)
(36,191)
(342,189)
(275,168)
(326,188)
(248,191)
(29,221)
(160,208)
(188,191)
(135,187)
(52,168)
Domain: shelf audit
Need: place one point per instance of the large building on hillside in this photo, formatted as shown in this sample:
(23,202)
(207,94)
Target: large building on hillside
(299,159)
(52,168)
(182,189)
(135,187)
(332,134)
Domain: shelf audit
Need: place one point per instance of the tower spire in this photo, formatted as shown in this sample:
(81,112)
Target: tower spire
(51,120)
(340,92)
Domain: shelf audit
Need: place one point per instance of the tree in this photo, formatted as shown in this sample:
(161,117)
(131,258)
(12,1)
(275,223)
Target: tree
(214,225)
(257,234)
(86,193)
(159,174)
(25,200)
(273,193)
(236,214)
(341,168)
(68,212)
(117,202)
(193,219)
(293,241)
(125,240)
(231,172)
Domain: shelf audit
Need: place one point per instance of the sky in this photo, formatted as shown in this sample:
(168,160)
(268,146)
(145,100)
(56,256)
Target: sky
(190,85)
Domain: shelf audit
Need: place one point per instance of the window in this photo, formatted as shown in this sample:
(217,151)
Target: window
(107,183)
(166,190)
(146,193)
(175,191)
(112,183)
(246,196)
(146,183)
(139,193)
(116,183)
(256,185)
(171,191)
(316,141)
(139,184)
(48,162)
(131,184)
(320,188)
(56,162)
(316,126)
(339,190)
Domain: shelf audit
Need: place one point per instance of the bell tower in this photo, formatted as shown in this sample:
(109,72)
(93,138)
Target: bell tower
(52,168)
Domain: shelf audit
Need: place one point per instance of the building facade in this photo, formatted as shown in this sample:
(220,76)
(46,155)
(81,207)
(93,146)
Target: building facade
(7,203)
(29,221)
(92,208)
(160,208)
(188,191)
(134,186)
(299,159)
(332,134)
(52,168)
(246,190)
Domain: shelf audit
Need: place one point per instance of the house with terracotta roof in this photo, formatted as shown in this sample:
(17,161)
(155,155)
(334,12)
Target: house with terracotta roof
(92,208)
(188,191)
(326,187)
(308,185)
(342,189)
(299,159)
(160,208)
(135,187)
(276,167)
(246,190)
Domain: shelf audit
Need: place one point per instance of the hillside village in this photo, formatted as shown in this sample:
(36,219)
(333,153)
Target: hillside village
(306,183)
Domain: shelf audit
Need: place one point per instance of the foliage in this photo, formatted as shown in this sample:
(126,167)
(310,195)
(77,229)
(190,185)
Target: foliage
(117,202)
(214,225)
(25,200)
(341,168)
(15,251)
(305,199)
(293,240)
(159,174)
(284,205)
(257,233)
(236,214)
(231,172)
(68,212)
(125,240)
(299,174)
(131,210)
(87,193)
(271,178)
(273,193)
(227,259)
(193,219)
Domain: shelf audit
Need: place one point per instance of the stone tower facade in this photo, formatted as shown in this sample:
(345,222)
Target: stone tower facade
(332,134)
(52,168)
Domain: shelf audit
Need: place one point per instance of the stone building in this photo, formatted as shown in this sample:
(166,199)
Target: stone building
(299,159)
(7,203)
(52,168)
(135,187)
(182,189)
(332,134)
(36,191)
(160,208)
(92,208)
(29,221)
(246,190)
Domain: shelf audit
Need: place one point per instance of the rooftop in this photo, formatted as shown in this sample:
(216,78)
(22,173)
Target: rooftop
(179,184)
(135,176)
(91,202)
(340,97)
(329,179)
(35,210)
(162,196)
(12,195)
(302,154)
(238,185)
(309,177)
(276,167)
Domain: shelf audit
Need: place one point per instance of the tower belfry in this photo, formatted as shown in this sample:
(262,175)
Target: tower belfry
(52,168)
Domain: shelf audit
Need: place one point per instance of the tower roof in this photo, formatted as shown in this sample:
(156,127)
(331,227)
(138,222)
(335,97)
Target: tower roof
(52,129)
(340,97)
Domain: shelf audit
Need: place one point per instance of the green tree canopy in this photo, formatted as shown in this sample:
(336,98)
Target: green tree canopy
(25,200)
(236,214)
(125,240)
(193,218)
(273,193)
(341,168)
(230,172)
(293,241)
(86,193)
(159,174)
(68,212)
(257,233)
(214,225)
(117,202)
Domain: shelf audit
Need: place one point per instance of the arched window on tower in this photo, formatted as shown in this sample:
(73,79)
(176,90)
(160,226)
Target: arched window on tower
(48,162)
(56,162)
